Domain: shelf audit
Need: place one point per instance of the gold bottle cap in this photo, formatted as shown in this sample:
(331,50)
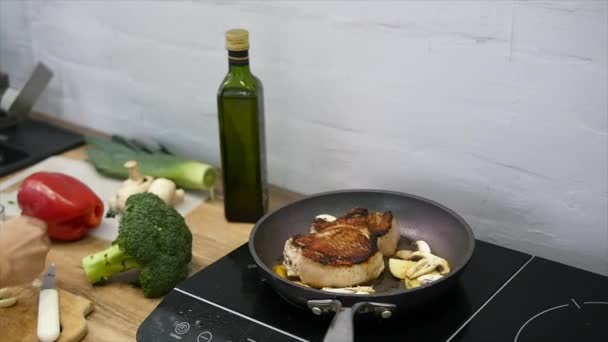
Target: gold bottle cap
(237,40)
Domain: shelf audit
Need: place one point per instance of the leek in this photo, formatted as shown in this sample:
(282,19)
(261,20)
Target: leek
(108,158)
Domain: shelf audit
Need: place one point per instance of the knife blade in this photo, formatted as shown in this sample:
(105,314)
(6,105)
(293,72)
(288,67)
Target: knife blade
(48,308)
(49,278)
(31,91)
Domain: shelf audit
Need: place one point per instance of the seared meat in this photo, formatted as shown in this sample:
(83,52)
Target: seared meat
(338,256)
(344,252)
(338,246)
(381,225)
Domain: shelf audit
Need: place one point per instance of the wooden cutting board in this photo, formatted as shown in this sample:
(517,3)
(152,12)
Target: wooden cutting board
(19,322)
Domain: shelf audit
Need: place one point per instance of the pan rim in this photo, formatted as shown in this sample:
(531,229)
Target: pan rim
(453,273)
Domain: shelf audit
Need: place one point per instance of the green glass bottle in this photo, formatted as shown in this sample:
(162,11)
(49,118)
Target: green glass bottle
(241,121)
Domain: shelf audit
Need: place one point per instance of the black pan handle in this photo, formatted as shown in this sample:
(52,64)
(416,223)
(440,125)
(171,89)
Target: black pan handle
(341,328)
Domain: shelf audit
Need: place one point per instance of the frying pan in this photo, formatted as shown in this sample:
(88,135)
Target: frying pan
(449,236)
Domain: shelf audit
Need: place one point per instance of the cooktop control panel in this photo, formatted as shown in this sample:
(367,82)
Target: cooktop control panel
(180,317)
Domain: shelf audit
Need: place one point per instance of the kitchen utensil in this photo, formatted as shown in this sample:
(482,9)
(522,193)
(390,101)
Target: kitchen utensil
(24,141)
(18,323)
(48,308)
(420,219)
(18,104)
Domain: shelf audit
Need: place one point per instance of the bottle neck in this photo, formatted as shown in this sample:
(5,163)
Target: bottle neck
(238,61)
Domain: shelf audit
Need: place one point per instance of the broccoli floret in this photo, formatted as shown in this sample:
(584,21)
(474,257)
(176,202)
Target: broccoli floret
(152,237)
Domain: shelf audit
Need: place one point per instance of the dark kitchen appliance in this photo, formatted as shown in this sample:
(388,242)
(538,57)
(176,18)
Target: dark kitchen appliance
(24,141)
(502,296)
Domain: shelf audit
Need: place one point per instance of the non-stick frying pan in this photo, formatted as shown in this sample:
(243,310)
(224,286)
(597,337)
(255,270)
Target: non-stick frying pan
(448,234)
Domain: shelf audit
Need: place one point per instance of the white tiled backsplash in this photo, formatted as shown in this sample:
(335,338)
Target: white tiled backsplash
(496,109)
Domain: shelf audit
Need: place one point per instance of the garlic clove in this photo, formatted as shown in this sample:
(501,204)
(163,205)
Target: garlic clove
(8,302)
(178,197)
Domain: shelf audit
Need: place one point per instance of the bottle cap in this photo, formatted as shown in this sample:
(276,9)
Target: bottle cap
(237,40)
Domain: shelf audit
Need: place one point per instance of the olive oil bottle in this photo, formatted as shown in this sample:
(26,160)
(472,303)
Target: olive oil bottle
(241,122)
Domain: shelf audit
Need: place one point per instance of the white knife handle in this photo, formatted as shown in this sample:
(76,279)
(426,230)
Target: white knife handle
(48,315)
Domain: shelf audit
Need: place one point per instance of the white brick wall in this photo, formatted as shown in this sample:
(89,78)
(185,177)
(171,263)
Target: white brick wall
(497,109)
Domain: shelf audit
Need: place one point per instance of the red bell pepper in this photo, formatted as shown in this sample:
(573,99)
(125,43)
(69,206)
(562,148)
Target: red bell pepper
(69,207)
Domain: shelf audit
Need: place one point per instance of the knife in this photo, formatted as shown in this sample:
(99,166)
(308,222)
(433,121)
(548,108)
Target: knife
(48,308)
(18,104)
(31,91)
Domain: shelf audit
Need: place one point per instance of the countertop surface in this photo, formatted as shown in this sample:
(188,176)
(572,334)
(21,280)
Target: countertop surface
(120,308)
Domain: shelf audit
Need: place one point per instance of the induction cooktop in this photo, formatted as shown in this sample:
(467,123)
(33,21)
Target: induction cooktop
(502,295)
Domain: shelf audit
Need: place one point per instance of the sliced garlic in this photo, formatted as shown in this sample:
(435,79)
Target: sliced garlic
(6,300)
(366,289)
(351,290)
(331,289)
(326,217)
(7,303)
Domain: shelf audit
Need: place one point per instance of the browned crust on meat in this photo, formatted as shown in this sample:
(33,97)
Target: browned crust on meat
(337,246)
(377,223)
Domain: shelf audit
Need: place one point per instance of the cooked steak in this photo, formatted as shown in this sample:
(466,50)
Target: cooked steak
(381,225)
(338,256)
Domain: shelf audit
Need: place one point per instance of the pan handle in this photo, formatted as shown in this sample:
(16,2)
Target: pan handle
(341,328)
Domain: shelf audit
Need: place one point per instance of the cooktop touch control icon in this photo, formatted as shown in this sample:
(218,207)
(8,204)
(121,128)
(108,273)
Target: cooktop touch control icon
(182,328)
(205,336)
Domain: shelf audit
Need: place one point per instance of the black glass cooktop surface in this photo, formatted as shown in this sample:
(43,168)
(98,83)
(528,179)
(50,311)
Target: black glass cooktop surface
(503,295)
(546,301)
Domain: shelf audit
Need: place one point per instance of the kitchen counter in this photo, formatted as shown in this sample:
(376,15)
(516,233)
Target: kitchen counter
(120,308)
